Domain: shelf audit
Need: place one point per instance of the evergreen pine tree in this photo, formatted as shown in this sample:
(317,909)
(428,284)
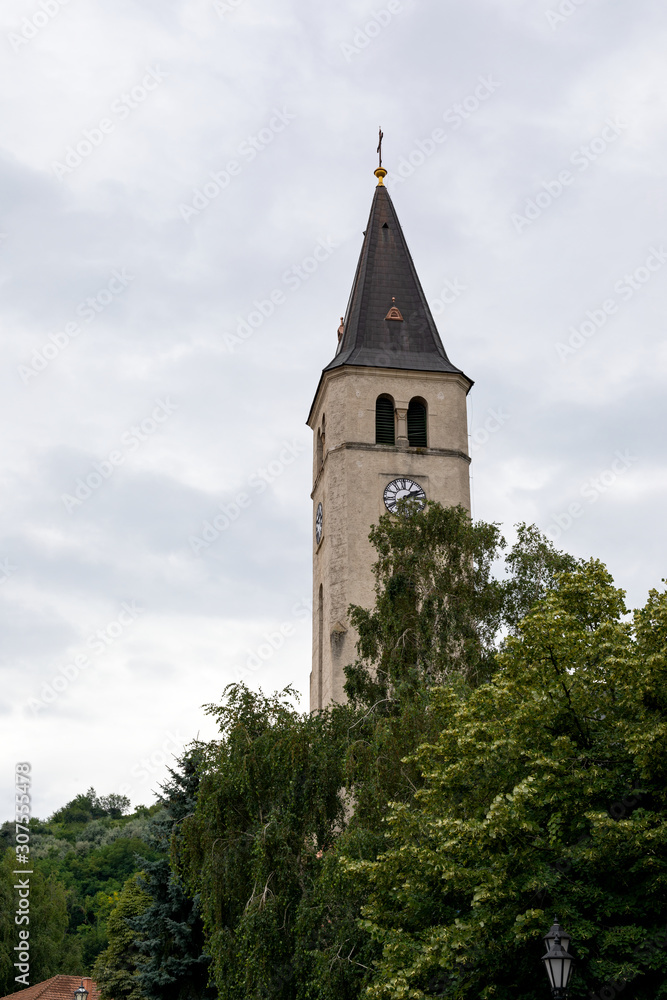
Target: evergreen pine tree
(170,932)
(116,969)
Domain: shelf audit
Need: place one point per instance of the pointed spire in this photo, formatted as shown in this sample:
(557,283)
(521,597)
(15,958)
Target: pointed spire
(388,323)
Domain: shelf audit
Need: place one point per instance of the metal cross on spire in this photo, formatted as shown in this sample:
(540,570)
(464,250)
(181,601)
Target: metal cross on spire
(380,173)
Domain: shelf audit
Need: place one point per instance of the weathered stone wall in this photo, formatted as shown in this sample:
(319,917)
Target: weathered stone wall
(351,482)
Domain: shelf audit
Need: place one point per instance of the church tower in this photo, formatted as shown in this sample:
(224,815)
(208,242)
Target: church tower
(389,420)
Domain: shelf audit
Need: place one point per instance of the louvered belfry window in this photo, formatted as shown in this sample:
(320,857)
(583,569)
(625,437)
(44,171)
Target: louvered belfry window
(384,421)
(417,424)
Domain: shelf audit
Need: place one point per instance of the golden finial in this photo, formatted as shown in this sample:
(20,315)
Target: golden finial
(380,173)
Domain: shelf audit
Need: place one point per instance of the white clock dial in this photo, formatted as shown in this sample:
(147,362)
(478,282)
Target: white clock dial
(319,523)
(403,489)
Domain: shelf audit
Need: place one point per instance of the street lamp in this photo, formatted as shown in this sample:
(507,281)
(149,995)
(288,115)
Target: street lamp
(558,960)
(81,993)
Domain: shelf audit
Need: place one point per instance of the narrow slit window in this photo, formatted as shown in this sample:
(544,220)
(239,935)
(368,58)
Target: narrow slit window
(320,646)
(385,430)
(417,424)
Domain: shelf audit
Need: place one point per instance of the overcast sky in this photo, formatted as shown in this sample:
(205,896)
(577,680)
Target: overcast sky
(168,169)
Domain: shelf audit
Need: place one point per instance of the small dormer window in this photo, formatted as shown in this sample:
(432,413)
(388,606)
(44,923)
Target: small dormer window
(394,313)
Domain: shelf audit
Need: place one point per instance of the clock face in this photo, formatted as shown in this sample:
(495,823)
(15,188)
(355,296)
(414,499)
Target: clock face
(319,523)
(403,489)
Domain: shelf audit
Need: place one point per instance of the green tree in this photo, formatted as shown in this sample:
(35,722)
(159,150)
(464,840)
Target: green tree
(8,930)
(438,607)
(170,937)
(269,805)
(117,968)
(544,793)
(534,566)
(89,806)
(170,931)
(284,797)
(51,949)
(93,876)
(438,619)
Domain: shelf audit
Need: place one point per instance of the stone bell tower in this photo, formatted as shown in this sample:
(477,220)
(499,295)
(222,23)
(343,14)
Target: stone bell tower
(389,420)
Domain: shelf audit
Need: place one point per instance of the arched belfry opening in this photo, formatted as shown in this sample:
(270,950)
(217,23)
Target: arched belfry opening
(417,424)
(385,421)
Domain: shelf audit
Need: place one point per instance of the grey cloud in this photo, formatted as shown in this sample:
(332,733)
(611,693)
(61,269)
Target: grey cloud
(195,281)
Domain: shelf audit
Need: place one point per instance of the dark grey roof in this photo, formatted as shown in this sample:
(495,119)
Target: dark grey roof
(386,272)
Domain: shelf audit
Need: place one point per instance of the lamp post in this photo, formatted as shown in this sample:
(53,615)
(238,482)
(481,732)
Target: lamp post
(81,993)
(558,961)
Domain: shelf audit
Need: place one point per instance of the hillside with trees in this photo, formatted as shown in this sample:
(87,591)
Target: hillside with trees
(82,856)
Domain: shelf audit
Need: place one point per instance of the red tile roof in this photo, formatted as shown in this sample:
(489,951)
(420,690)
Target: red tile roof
(56,988)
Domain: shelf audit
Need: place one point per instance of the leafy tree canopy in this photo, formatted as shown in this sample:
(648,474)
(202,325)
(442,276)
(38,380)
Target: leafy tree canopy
(89,806)
(417,841)
(116,969)
(50,945)
(170,931)
(155,933)
(269,805)
(86,851)
(502,759)
(544,793)
(439,608)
